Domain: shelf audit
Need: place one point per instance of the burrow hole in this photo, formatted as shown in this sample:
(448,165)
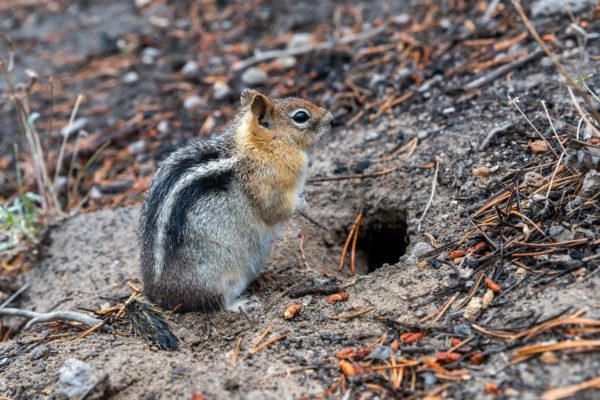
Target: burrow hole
(382,239)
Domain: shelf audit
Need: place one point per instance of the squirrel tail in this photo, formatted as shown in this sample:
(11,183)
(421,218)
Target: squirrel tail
(147,321)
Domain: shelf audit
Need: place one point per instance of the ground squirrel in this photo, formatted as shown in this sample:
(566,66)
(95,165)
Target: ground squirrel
(215,206)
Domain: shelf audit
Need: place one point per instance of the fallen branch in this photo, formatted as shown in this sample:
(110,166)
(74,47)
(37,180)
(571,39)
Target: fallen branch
(295,51)
(555,61)
(501,71)
(38,317)
(433,186)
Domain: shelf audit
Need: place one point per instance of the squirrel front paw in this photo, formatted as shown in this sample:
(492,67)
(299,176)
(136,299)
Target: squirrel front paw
(302,205)
(244,304)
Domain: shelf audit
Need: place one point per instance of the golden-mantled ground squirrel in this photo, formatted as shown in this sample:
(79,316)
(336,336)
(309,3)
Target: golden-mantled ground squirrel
(215,206)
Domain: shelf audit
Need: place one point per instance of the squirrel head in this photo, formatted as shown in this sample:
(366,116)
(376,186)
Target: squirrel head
(292,120)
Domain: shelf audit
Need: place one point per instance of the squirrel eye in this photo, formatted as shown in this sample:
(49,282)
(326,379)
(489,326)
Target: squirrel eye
(300,117)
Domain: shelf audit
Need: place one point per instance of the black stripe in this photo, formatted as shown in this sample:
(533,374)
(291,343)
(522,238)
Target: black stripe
(160,193)
(160,190)
(200,187)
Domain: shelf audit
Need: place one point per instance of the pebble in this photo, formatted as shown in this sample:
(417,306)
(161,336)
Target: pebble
(61,183)
(192,102)
(549,357)
(149,55)
(142,3)
(574,204)
(422,134)
(591,184)
(552,7)
(190,69)
(287,62)
(163,127)
(381,353)
(429,379)
(78,380)
(462,329)
(137,147)
(448,110)
(76,126)
(473,308)
(95,193)
(131,77)
(488,298)
(377,79)
(254,76)
(560,233)
(221,90)
(299,40)
(371,135)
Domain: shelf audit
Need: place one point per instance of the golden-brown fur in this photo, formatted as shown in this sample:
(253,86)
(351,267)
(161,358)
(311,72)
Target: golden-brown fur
(275,157)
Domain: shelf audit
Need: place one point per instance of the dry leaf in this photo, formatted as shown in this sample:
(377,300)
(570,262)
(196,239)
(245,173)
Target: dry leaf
(538,146)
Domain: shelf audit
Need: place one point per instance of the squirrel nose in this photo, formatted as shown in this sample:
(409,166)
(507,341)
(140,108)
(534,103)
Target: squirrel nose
(329,118)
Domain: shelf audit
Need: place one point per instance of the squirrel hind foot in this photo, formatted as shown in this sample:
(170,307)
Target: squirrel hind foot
(244,304)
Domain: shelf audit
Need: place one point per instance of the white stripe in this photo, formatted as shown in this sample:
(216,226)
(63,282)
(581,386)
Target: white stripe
(210,168)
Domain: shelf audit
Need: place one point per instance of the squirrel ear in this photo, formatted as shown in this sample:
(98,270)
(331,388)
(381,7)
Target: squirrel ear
(259,104)
(247,97)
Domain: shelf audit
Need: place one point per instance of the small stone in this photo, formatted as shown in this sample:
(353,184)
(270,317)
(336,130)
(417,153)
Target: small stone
(221,90)
(61,183)
(488,298)
(560,234)
(131,77)
(422,134)
(377,79)
(371,135)
(590,185)
(429,379)
(401,19)
(142,3)
(149,55)
(95,193)
(419,249)
(534,179)
(190,69)
(299,39)
(78,380)
(574,204)
(473,308)
(448,110)
(580,273)
(76,126)
(381,353)
(538,146)
(254,76)
(137,147)
(551,7)
(521,273)
(192,102)
(287,62)
(163,127)
(462,329)
(39,352)
(549,357)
